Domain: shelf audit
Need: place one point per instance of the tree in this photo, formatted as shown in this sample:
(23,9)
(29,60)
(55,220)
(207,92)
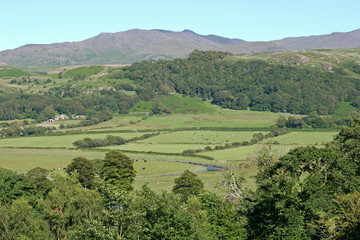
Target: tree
(39,177)
(300,187)
(188,184)
(69,206)
(118,169)
(19,221)
(45,114)
(224,217)
(342,222)
(85,171)
(14,186)
(232,184)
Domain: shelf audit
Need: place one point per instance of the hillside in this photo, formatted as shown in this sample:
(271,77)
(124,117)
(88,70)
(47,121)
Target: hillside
(136,45)
(294,82)
(7,71)
(300,82)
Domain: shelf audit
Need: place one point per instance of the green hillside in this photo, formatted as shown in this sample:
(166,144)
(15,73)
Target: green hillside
(305,82)
(7,71)
(325,59)
(293,82)
(83,72)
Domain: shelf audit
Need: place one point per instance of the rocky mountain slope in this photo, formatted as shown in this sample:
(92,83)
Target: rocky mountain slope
(135,45)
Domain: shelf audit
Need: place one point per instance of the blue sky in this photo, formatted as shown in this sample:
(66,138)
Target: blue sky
(49,21)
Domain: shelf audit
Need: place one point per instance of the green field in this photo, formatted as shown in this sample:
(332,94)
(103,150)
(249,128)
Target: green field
(306,138)
(7,71)
(165,183)
(222,118)
(85,71)
(57,141)
(202,137)
(160,168)
(158,171)
(162,148)
(242,153)
(286,142)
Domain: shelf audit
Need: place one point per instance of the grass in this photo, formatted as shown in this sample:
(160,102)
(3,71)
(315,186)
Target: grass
(184,105)
(223,118)
(345,108)
(118,122)
(166,183)
(154,168)
(22,160)
(162,148)
(287,142)
(233,154)
(305,138)
(9,71)
(83,71)
(243,153)
(201,137)
(57,141)
(159,171)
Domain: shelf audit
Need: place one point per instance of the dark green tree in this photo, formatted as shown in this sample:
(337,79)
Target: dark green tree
(85,171)
(300,187)
(69,206)
(20,221)
(39,177)
(14,186)
(46,114)
(188,184)
(118,170)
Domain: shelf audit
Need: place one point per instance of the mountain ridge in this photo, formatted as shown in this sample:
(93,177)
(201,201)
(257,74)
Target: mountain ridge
(138,44)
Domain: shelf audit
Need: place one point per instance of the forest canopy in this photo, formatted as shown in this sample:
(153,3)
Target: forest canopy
(242,84)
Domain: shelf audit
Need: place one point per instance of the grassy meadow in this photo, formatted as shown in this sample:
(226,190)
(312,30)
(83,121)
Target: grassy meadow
(64,141)
(202,137)
(158,160)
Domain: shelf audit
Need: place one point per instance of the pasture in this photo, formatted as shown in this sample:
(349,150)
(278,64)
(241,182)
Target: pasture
(160,148)
(306,138)
(153,157)
(202,137)
(221,118)
(158,171)
(242,154)
(64,141)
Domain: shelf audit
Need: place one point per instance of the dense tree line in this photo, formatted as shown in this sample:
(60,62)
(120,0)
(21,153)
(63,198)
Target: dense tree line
(42,107)
(22,128)
(97,142)
(316,121)
(240,84)
(109,141)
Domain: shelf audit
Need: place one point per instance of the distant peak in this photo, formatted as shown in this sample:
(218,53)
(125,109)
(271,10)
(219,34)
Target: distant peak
(33,45)
(162,30)
(104,35)
(188,31)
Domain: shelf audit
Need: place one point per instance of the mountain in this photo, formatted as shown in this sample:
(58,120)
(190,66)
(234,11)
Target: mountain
(136,45)
(329,41)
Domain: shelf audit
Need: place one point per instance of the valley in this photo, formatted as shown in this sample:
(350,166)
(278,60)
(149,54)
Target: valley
(241,127)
